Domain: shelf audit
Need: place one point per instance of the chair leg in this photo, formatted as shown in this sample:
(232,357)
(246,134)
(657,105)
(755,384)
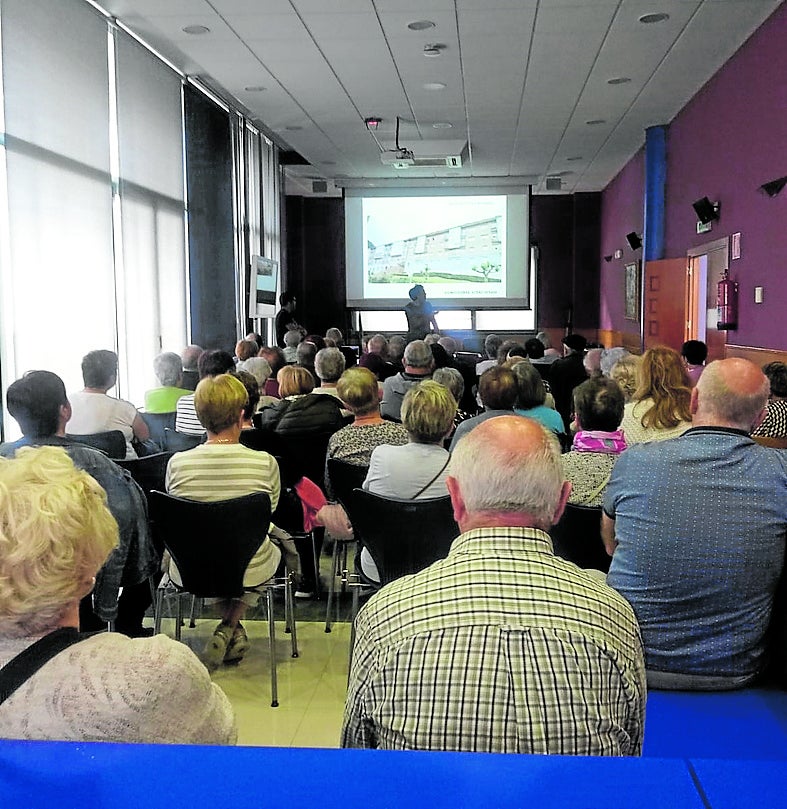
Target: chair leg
(272,645)
(192,622)
(335,559)
(159,607)
(289,611)
(178,615)
(352,632)
(316,564)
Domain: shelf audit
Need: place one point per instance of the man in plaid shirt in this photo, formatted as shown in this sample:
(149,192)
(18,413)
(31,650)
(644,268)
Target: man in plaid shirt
(500,647)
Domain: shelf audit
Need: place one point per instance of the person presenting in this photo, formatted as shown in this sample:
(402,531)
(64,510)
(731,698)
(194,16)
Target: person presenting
(420,315)
(285,318)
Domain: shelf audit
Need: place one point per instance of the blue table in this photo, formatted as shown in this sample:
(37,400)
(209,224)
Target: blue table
(60,774)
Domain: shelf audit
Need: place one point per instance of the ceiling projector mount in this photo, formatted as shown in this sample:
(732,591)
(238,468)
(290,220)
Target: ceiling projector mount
(402,158)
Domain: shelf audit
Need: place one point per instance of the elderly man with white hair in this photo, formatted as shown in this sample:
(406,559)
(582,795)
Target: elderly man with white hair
(500,647)
(418,365)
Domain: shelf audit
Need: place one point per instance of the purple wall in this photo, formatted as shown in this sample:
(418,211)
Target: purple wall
(727,141)
(621,213)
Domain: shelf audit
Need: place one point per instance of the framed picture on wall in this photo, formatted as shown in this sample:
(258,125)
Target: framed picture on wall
(632,291)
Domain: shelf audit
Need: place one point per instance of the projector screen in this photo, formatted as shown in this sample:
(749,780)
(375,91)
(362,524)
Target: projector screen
(467,246)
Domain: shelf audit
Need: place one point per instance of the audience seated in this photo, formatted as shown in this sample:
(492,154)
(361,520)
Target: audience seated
(501,647)
(566,373)
(189,357)
(531,398)
(301,412)
(292,340)
(396,347)
(625,371)
(329,366)
(592,361)
(498,392)
(375,358)
(220,469)
(418,469)
(277,361)
(451,378)
(55,534)
(694,354)
(169,372)
(252,397)
(696,529)
(210,363)
(609,356)
(418,365)
(260,369)
(774,424)
(659,408)
(244,350)
(550,354)
(492,345)
(354,443)
(598,410)
(334,337)
(39,404)
(305,355)
(92,411)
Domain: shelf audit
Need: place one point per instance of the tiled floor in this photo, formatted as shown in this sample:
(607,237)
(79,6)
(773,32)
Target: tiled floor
(312,687)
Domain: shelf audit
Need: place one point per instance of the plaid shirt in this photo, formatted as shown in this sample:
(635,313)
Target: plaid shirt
(501,647)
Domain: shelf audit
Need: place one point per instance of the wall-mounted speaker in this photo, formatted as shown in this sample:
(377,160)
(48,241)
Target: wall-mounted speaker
(634,240)
(706,210)
(319,186)
(774,187)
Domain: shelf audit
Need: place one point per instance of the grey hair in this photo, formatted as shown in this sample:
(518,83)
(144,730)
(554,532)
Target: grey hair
(450,378)
(258,367)
(334,334)
(329,364)
(545,339)
(292,338)
(492,344)
(501,477)
(417,354)
(609,356)
(168,367)
(531,391)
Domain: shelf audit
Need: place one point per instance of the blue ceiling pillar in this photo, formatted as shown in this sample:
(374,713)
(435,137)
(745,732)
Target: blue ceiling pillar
(655,191)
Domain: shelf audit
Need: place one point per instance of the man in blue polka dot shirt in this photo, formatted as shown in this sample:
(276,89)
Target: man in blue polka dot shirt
(697,527)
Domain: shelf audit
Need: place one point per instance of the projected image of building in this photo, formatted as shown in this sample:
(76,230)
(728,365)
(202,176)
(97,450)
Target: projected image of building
(470,252)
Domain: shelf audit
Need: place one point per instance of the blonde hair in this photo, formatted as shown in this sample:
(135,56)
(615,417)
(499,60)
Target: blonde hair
(357,388)
(55,533)
(218,401)
(428,411)
(294,380)
(663,379)
(626,373)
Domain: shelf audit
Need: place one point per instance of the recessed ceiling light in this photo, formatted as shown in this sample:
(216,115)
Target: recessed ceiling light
(434,85)
(442,125)
(659,16)
(255,88)
(619,80)
(595,122)
(574,158)
(196,30)
(420,25)
(293,128)
(432,50)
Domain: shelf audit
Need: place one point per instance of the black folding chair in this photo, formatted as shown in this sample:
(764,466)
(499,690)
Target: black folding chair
(110,442)
(344,478)
(577,537)
(212,545)
(179,442)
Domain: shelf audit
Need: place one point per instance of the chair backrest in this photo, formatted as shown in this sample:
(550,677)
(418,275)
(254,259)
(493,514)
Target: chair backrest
(148,471)
(157,422)
(344,478)
(302,456)
(211,543)
(261,440)
(403,536)
(178,442)
(577,537)
(112,442)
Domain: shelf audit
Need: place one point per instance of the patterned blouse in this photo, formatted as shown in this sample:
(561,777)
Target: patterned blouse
(775,423)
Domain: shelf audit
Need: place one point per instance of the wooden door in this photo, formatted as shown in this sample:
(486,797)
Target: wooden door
(665,302)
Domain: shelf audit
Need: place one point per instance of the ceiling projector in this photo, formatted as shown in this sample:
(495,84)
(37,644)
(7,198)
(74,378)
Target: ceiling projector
(398,158)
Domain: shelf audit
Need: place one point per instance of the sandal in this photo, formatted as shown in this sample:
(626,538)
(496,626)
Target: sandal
(238,646)
(216,647)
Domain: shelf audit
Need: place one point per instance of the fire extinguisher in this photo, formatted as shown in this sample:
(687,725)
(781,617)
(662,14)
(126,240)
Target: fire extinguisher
(727,304)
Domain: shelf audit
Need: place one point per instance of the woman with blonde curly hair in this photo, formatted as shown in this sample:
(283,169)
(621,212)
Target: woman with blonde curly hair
(55,533)
(659,408)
